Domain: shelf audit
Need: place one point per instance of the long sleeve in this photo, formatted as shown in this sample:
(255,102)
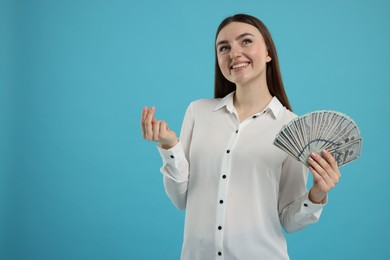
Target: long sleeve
(296,211)
(175,167)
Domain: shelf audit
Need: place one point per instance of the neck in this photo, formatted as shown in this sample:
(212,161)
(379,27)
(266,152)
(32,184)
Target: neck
(252,97)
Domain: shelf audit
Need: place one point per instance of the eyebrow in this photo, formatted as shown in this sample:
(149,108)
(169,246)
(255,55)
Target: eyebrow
(238,37)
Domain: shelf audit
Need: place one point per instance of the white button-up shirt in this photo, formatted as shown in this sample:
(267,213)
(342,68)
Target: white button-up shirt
(236,186)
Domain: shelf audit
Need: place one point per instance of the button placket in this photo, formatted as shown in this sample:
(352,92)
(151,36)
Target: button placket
(222,191)
(224,182)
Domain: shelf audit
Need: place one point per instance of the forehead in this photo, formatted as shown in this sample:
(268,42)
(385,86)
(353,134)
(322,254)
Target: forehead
(234,29)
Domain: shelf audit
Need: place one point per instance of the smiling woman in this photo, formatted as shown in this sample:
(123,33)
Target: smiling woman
(242,59)
(238,189)
(274,79)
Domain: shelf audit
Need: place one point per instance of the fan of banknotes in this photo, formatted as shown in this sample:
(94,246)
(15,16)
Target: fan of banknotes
(313,132)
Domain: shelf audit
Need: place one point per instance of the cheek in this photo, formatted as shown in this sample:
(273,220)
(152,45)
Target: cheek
(220,60)
(259,58)
(222,65)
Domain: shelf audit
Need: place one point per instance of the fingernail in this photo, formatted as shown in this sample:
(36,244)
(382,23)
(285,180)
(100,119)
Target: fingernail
(313,154)
(324,151)
(311,159)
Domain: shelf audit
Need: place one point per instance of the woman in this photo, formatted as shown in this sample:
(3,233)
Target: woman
(236,186)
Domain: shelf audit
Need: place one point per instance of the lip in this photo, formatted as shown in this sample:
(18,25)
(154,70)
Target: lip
(244,63)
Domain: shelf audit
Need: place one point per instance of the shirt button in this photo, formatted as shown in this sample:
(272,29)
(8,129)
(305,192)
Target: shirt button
(219,253)
(221,201)
(254,116)
(224,176)
(219,228)
(305,205)
(236,131)
(228,151)
(172,156)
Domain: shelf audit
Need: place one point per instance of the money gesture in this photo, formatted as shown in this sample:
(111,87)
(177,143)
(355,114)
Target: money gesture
(157,130)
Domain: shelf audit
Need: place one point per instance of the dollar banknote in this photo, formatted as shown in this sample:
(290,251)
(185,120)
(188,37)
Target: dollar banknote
(321,130)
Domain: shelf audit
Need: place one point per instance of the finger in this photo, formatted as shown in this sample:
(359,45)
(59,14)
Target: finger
(332,162)
(150,115)
(156,130)
(319,169)
(323,163)
(163,128)
(317,177)
(330,169)
(143,116)
(144,113)
(324,185)
(148,124)
(324,170)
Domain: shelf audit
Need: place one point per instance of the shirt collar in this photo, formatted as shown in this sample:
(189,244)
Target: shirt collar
(274,106)
(227,102)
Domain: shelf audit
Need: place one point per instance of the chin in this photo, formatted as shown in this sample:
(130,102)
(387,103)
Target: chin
(240,81)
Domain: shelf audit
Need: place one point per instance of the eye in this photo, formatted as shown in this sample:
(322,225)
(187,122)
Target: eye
(223,48)
(246,41)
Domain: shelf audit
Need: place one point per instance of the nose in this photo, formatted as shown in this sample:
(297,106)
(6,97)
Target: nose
(235,51)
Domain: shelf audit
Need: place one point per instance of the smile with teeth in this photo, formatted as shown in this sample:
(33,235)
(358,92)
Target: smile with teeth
(239,65)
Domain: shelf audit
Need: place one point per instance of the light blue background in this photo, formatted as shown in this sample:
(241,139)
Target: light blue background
(77,180)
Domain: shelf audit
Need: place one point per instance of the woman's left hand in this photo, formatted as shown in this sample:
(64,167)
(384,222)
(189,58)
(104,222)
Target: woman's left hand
(326,175)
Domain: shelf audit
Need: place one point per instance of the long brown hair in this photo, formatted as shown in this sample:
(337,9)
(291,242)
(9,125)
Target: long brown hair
(223,87)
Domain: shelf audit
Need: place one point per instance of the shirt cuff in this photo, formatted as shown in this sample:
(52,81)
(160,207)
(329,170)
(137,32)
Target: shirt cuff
(175,165)
(311,207)
(172,155)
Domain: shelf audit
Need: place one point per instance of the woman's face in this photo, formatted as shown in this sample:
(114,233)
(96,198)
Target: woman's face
(242,54)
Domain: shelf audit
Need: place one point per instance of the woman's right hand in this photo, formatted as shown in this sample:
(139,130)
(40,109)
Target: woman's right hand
(157,130)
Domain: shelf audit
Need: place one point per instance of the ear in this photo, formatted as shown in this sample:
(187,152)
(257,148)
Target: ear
(268,58)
